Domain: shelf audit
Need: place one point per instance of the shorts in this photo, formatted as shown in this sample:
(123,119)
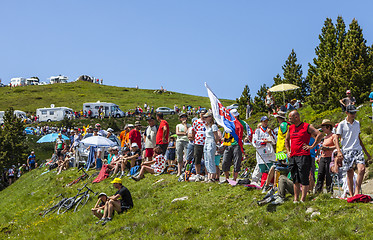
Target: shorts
(32,165)
(217,159)
(350,157)
(59,153)
(149,152)
(271,107)
(263,167)
(313,167)
(232,155)
(198,153)
(124,209)
(300,167)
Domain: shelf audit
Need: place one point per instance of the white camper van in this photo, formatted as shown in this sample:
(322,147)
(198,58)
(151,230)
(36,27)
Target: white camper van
(53,113)
(15,82)
(110,109)
(17,113)
(32,81)
(58,79)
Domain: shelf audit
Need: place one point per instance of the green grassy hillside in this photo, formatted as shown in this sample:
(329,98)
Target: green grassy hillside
(74,94)
(212,211)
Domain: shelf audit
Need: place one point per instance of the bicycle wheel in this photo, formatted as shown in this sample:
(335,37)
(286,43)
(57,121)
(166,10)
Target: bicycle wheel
(81,202)
(66,205)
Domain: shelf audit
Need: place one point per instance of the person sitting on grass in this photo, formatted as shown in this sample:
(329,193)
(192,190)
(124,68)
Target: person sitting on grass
(64,164)
(120,202)
(98,209)
(131,159)
(115,162)
(156,166)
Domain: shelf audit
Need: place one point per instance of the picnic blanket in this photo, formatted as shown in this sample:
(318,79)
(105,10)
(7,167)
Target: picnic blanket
(102,175)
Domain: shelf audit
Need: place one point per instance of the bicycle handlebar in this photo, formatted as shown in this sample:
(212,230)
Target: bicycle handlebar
(85,186)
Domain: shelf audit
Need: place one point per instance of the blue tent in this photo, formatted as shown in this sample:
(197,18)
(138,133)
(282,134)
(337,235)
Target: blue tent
(51,138)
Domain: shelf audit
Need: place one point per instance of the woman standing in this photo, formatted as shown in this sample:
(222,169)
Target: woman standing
(209,149)
(270,103)
(327,149)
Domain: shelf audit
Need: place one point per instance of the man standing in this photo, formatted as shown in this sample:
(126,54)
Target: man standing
(31,161)
(348,131)
(120,202)
(296,142)
(149,138)
(198,131)
(122,136)
(349,100)
(233,149)
(135,135)
(163,133)
(249,109)
(371,100)
(182,140)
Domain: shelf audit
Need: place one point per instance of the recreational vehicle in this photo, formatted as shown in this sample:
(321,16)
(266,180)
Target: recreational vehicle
(17,113)
(109,109)
(15,82)
(53,113)
(58,79)
(32,81)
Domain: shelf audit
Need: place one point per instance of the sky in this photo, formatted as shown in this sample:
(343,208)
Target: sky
(175,44)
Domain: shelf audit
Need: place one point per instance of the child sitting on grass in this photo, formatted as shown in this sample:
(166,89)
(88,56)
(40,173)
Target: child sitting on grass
(156,166)
(98,209)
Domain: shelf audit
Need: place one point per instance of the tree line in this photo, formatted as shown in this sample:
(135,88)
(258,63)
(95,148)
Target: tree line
(343,61)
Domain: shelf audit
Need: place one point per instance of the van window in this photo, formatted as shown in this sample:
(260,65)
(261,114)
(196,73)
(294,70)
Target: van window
(97,107)
(87,106)
(106,108)
(51,112)
(44,112)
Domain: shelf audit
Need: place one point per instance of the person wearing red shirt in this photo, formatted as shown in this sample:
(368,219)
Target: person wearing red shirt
(135,135)
(163,133)
(298,150)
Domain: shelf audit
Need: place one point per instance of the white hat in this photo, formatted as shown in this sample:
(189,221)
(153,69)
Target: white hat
(134,145)
(110,130)
(234,112)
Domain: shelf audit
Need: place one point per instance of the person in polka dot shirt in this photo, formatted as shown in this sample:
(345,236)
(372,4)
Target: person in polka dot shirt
(199,128)
(156,166)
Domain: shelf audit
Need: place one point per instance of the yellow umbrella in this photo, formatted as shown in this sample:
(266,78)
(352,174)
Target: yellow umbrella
(282,88)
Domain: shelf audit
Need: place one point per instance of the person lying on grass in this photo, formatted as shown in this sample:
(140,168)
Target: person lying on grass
(156,166)
(98,209)
(121,201)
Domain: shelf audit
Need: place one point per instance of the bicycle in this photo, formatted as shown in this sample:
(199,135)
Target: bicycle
(79,200)
(54,207)
(82,177)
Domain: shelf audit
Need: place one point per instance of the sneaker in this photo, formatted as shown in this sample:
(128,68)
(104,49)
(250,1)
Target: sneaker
(278,201)
(265,201)
(136,179)
(265,188)
(101,220)
(295,202)
(106,220)
(223,182)
(129,175)
(198,178)
(269,193)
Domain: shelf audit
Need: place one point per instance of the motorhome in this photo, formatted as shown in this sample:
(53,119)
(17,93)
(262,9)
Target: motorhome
(58,79)
(109,109)
(15,82)
(53,113)
(17,113)
(32,81)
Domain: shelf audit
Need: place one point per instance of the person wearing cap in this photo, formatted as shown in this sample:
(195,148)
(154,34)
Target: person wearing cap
(233,149)
(163,133)
(209,150)
(198,129)
(131,159)
(116,160)
(182,140)
(135,135)
(263,141)
(98,209)
(89,132)
(327,148)
(298,151)
(150,138)
(353,148)
(120,202)
(348,100)
(110,135)
(31,161)
(100,132)
(77,137)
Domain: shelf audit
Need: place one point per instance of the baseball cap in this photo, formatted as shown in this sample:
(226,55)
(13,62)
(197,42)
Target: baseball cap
(134,145)
(130,125)
(264,118)
(348,92)
(182,115)
(208,114)
(98,125)
(102,194)
(351,109)
(110,130)
(203,111)
(137,123)
(234,112)
(117,180)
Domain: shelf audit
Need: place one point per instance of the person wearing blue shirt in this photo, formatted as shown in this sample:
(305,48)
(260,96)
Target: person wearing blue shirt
(31,161)
(313,152)
(371,100)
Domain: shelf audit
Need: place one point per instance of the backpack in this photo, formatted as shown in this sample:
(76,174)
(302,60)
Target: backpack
(134,170)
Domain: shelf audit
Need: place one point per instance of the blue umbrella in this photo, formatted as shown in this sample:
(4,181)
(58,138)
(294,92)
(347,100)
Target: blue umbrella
(51,138)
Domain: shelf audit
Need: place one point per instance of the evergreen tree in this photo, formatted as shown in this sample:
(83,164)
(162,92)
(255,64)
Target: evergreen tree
(243,101)
(259,99)
(13,148)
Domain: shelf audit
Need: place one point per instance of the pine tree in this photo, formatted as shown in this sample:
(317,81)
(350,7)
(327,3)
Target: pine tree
(259,99)
(321,73)
(243,100)
(12,141)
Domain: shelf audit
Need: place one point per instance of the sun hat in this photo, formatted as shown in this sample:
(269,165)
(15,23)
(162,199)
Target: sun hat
(234,112)
(110,130)
(115,148)
(130,125)
(98,125)
(137,123)
(351,109)
(102,194)
(280,114)
(117,180)
(134,145)
(182,115)
(203,111)
(264,118)
(208,114)
(326,122)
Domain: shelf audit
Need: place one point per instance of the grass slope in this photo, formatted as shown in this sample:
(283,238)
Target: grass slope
(212,211)
(74,94)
